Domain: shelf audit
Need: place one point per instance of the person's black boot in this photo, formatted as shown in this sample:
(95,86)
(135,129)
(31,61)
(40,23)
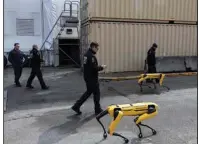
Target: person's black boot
(18,85)
(77,110)
(29,86)
(45,88)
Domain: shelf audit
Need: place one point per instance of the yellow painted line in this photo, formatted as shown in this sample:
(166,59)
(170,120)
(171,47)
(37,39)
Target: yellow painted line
(182,74)
(119,78)
(137,77)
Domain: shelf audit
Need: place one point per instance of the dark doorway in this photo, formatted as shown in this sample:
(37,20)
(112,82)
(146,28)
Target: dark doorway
(71,48)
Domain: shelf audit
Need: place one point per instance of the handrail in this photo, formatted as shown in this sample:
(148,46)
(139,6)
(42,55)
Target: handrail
(51,31)
(54,26)
(66,2)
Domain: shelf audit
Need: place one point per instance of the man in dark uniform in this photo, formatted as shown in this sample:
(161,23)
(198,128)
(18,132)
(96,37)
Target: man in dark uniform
(91,70)
(36,71)
(151,60)
(16,58)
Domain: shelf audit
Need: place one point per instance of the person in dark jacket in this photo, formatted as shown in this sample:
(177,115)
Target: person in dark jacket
(91,70)
(36,71)
(151,59)
(16,58)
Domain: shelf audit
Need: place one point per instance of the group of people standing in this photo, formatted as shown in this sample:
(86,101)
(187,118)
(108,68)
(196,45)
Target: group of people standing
(16,58)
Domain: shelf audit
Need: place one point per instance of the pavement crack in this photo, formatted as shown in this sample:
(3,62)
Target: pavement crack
(13,119)
(29,116)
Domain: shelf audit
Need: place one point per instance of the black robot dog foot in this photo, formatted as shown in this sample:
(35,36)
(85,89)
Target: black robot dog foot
(140,134)
(105,135)
(154,132)
(119,135)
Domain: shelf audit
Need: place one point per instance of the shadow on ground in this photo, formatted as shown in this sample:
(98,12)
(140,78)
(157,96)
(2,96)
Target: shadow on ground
(70,124)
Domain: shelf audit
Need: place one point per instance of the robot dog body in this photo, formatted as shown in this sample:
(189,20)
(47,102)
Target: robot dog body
(158,77)
(143,111)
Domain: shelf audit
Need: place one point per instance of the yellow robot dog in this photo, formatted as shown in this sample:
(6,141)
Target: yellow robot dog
(143,111)
(149,78)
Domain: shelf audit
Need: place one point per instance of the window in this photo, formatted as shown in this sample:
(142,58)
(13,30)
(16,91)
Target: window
(25,27)
(69,31)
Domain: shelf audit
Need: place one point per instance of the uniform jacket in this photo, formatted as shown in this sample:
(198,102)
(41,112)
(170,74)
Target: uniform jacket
(35,59)
(91,67)
(151,60)
(16,58)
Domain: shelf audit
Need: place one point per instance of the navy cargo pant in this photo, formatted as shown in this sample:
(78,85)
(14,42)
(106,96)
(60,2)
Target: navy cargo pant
(17,73)
(92,88)
(152,69)
(36,72)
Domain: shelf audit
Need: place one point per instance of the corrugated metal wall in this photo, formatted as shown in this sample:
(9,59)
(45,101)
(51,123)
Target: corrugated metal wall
(179,10)
(123,46)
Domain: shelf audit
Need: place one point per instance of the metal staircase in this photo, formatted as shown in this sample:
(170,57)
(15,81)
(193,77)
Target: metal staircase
(65,19)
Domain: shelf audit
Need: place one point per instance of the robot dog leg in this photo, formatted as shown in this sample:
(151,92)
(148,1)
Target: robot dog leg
(98,117)
(118,114)
(151,113)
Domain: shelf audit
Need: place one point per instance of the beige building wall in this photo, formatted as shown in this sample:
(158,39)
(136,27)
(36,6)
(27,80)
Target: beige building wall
(123,46)
(178,10)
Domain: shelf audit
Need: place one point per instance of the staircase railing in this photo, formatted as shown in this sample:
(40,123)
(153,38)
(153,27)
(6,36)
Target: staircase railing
(51,31)
(61,27)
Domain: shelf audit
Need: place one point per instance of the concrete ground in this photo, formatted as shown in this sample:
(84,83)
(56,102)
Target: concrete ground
(47,72)
(44,117)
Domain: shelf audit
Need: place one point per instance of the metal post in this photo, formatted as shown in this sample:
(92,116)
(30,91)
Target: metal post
(42,19)
(51,31)
(71,10)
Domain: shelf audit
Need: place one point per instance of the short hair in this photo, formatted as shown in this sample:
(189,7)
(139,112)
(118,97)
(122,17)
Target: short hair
(15,44)
(34,46)
(155,45)
(94,44)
